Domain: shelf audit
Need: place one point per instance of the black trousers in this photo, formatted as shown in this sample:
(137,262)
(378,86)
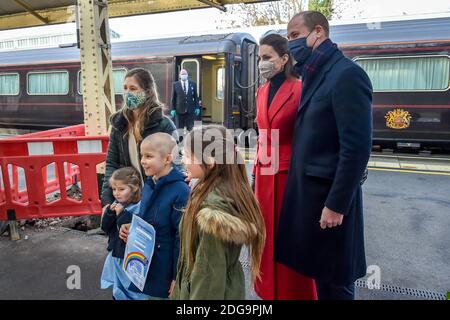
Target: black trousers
(331,291)
(185,120)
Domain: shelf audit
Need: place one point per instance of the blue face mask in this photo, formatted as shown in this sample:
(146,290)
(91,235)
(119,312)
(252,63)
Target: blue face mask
(184,77)
(299,49)
(134,100)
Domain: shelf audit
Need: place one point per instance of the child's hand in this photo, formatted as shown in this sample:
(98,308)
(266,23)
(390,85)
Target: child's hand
(188,178)
(113,206)
(104,209)
(172,287)
(118,208)
(124,231)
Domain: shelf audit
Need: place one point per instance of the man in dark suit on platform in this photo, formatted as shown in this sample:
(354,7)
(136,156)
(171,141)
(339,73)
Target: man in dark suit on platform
(321,229)
(185,102)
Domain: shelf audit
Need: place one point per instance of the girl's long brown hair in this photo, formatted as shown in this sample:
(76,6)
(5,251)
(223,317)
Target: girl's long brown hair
(152,104)
(228,177)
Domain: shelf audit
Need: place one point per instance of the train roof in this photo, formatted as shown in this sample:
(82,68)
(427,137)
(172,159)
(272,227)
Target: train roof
(432,29)
(178,46)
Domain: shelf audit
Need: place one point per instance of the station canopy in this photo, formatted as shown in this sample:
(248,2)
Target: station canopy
(31,13)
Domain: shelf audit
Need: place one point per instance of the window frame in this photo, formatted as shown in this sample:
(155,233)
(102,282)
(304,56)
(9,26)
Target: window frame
(197,81)
(18,80)
(359,58)
(217,83)
(78,83)
(79,75)
(119,68)
(48,72)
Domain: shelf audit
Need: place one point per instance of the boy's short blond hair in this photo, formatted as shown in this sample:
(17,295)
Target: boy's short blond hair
(162,142)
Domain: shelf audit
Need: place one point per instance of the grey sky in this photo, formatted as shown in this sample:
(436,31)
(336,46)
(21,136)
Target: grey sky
(206,20)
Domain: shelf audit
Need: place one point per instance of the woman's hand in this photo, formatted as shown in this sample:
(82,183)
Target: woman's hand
(172,287)
(124,231)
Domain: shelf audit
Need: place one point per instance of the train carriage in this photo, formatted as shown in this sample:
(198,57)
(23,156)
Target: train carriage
(42,88)
(408,63)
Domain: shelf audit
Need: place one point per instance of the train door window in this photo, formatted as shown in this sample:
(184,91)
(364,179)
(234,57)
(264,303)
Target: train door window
(9,84)
(220,83)
(408,73)
(48,83)
(192,66)
(118,77)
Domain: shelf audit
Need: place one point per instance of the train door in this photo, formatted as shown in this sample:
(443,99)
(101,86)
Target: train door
(213,73)
(209,74)
(244,86)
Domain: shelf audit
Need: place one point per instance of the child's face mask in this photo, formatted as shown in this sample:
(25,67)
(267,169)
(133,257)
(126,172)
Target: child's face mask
(134,100)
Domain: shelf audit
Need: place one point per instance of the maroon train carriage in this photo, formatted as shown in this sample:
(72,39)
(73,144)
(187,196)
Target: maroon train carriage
(41,89)
(408,63)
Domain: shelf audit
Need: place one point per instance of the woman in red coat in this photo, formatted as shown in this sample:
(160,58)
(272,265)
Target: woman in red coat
(277,103)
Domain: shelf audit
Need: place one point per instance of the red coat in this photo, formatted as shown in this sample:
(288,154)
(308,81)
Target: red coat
(277,281)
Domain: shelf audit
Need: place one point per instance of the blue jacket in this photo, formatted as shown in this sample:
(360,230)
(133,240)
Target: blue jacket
(111,224)
(161,206)
(330,151)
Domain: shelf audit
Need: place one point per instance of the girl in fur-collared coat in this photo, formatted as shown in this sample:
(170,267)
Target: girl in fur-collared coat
(222,215)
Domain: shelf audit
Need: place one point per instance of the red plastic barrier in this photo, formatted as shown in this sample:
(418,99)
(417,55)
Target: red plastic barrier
(27,190)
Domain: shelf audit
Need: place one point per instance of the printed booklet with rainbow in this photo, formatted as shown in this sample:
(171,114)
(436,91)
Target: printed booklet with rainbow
(139,251)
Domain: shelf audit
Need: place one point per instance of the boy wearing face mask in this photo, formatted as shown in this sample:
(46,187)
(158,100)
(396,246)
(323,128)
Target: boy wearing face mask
(276,103)
(185,102)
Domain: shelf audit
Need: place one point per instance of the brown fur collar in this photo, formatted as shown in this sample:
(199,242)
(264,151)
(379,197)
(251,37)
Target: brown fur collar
(225,227)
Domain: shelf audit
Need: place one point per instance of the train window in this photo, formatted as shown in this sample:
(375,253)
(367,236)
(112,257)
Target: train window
(48,83)
(409,73)
(118,77)
(220,83)
(9,84)
(192,66)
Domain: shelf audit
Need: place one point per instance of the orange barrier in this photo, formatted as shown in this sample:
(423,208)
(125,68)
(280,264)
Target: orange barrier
(50,174)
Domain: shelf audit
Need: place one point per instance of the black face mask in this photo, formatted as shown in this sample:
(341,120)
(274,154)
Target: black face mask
(299,49)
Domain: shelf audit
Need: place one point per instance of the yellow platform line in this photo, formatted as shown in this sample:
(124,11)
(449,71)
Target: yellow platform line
(412,171)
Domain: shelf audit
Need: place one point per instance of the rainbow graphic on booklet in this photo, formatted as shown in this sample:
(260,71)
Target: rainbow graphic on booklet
(135,260)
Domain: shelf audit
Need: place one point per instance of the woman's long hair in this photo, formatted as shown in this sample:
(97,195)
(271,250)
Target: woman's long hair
(228,177)
(280,45)
(151,106)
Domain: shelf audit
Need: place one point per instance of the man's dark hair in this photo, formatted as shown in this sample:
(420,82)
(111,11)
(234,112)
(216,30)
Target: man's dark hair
(313,19)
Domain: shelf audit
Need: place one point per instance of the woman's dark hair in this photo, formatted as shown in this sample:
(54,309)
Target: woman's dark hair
(280,45)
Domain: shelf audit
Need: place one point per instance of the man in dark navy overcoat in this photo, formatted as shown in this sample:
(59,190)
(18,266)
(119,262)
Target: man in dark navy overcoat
(321,229)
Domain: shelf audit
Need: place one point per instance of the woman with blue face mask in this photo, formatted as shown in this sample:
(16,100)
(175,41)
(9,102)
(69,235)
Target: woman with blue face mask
(141,115)
(277,102)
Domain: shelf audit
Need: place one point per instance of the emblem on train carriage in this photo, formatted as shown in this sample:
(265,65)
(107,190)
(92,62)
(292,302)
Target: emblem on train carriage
(398,119)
